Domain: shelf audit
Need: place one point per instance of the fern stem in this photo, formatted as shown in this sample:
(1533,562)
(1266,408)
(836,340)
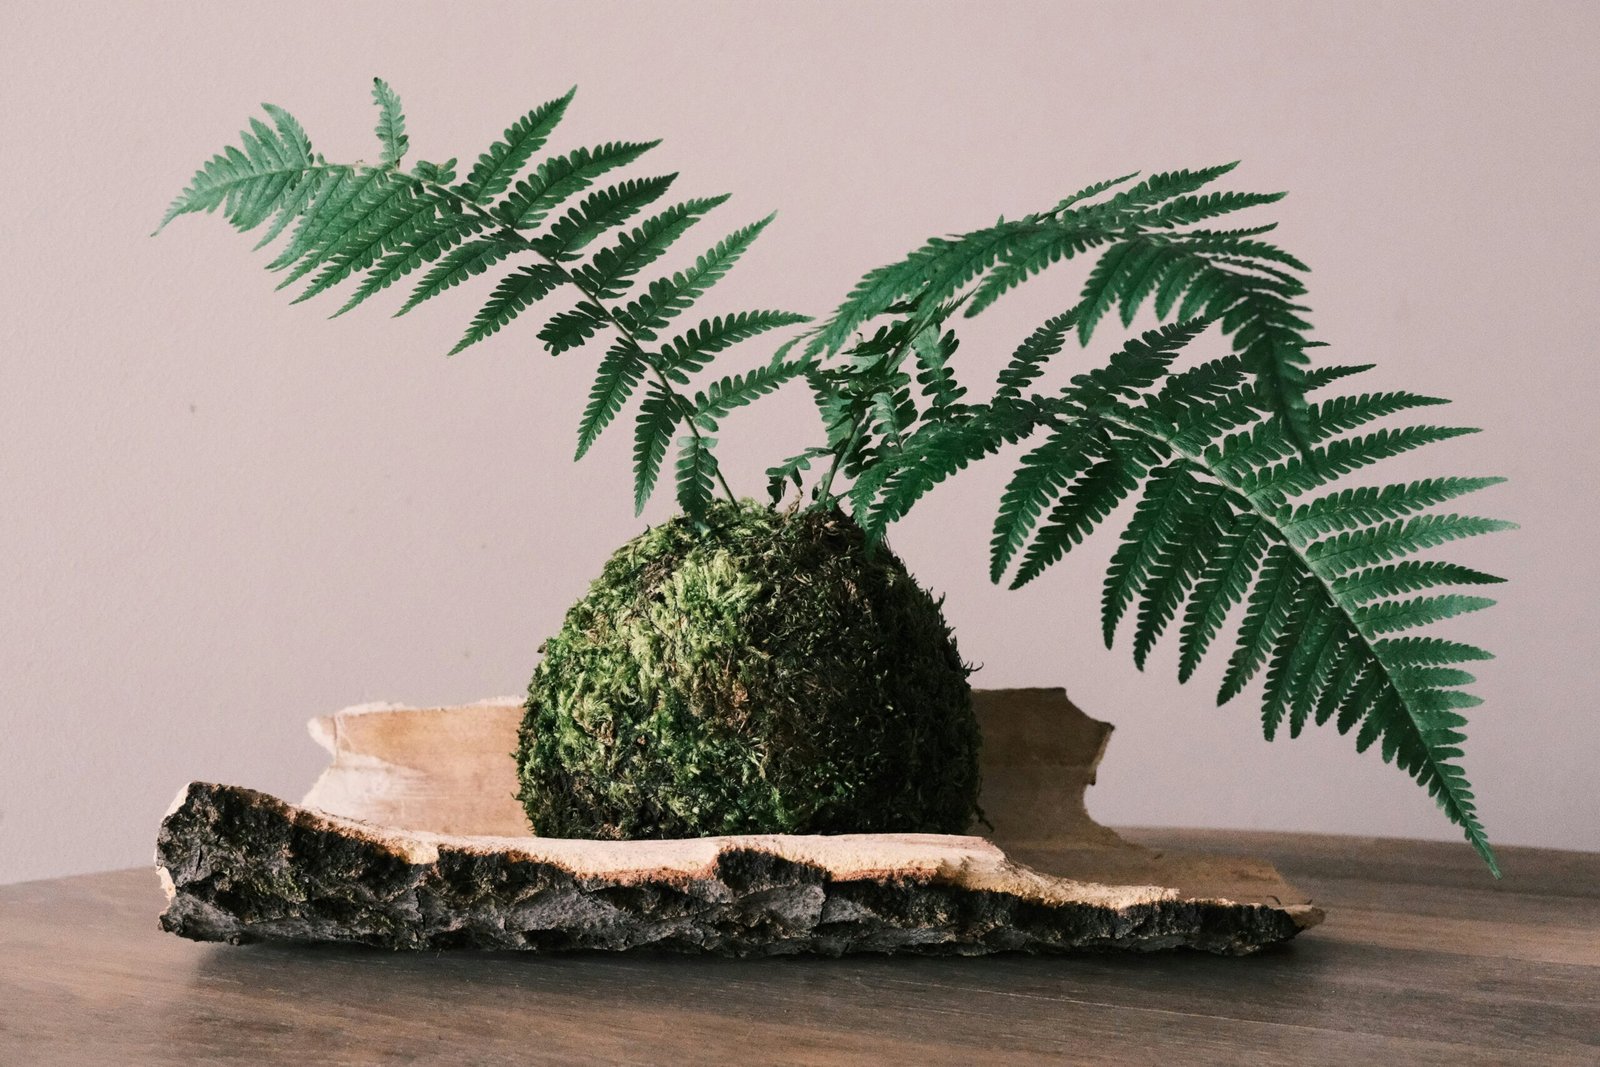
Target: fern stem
(511,236)
(825,486)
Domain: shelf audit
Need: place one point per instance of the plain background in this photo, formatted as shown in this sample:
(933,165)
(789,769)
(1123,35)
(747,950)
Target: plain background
(222,514)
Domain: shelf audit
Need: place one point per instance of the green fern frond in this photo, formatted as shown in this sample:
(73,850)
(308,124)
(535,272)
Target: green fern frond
(697,468)
(1177,281)
(1104,285)
(458,264)
(619,373)
(1028,361)
(1300,474)
(610,273)
(1203,402)
(1367,547)
(1170,500)
(1044,474)
(601,211)
(345,226)
(692,350)
(1185,210)
(1164,186)
(1089,192)
(515,292)
(1183,551)
(1258,312)
(1314,666)
(497,168)
(296,197)
(250,181)
(1267,609)
(427,244)
(554,180)
(1408,576)
(1231,559)
(893,413)
(1270,441)
(402,218)
(1140,277)
(391,123)
(1324,584)
(1365,505)
(737,390)
(1087,503)
(1307,617)
(1138,364)
(1427,651)
(933,352)
(334,196)
(652,433)
(1031,255)
(666,298)
(567,330)
(1388,616)
(1241,244)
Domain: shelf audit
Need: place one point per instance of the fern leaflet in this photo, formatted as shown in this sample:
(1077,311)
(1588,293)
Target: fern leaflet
(621,371)
(391,123)
(515,292)
(499,166)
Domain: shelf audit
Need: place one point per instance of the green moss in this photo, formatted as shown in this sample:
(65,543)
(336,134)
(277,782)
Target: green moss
(767,676)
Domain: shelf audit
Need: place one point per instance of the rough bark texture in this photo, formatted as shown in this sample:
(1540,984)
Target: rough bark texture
(244,866)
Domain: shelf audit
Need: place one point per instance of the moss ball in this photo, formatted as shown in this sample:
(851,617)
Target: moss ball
(766,675)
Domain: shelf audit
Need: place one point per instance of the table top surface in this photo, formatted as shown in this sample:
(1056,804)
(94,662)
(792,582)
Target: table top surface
(1424,958)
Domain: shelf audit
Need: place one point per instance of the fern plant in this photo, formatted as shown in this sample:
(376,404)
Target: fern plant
(1238,539)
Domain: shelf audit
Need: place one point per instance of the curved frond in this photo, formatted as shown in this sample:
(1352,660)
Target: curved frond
(1028,361)
(1089,500)
(1330,595)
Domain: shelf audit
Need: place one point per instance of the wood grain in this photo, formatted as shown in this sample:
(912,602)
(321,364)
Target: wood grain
(1424,959)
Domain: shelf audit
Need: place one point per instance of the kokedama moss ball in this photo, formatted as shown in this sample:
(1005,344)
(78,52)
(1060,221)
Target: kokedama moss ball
(769,675)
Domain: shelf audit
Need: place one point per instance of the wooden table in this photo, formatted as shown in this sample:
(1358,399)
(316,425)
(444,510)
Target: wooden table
(1423,959)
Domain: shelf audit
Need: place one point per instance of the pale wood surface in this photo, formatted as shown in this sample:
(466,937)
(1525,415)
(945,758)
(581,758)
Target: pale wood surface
(444,771)
(1423,959)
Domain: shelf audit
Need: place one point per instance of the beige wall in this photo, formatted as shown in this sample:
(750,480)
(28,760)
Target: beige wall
(220,515)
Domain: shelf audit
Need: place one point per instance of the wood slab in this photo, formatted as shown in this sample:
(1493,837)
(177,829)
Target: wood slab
(412,838)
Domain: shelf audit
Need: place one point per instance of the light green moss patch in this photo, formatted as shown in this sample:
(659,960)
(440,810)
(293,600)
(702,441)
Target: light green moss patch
(767,676)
